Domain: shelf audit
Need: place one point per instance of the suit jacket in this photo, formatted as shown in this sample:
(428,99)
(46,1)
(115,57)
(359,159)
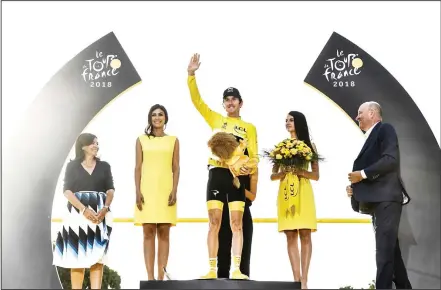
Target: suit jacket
(380,160)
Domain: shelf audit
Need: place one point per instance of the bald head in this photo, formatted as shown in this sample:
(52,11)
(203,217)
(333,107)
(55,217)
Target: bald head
(376,108)
(369,113)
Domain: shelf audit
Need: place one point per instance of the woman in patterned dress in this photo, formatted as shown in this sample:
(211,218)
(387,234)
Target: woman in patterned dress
(83,240)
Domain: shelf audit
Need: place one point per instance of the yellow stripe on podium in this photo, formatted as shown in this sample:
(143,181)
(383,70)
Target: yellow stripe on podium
(255,220)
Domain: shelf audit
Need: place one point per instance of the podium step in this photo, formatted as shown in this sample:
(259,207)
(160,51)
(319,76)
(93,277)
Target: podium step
(218,284)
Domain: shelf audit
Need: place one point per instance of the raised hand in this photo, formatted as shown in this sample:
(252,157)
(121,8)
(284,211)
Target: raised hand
(194,64)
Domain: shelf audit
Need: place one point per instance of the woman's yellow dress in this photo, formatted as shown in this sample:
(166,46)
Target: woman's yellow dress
(298,192)
(156,181)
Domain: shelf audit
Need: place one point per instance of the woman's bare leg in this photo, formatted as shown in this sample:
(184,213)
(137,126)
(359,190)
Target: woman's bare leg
(77,278)
(96,276)
(292,237)
(149,249)
(163,248)
(306,252)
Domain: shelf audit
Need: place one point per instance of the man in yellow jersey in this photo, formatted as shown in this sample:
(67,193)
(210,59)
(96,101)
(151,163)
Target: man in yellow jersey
(227,232)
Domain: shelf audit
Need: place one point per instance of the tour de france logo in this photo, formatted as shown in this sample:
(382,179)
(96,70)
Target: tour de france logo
(341,69)
(99,71)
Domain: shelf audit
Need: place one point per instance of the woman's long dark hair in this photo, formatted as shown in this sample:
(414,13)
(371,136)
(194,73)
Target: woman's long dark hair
(85,139)
(149,130)
(301,127)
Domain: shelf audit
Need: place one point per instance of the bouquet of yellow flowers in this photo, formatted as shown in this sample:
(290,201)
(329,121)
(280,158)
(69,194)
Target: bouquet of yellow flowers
(291,153)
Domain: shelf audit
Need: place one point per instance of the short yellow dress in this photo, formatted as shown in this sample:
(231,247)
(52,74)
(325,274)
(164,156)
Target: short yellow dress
(295,204)
(156,181)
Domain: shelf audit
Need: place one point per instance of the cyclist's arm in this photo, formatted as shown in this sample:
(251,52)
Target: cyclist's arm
(252,142)
(210,116)
(252,149)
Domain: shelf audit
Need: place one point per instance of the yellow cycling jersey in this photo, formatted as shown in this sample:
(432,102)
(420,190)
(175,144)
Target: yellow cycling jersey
(236,126)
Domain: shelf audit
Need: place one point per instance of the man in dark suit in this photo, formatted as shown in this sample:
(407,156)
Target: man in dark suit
(377,189)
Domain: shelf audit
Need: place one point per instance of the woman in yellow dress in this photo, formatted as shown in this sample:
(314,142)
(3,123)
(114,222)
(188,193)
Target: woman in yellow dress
(299,220)
(156,181)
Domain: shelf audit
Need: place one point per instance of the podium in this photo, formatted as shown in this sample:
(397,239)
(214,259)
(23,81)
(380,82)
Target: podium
(218,284)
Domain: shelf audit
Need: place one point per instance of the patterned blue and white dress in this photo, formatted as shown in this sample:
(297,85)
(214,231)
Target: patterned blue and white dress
(81,243)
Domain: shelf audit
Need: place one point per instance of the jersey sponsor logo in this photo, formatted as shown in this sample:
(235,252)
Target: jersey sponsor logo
(240,130)
(215,192)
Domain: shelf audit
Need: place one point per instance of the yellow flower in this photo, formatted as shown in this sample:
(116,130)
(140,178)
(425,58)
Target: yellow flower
(289,145)
(278,156)
(293,151)
(272,154)
(309,157)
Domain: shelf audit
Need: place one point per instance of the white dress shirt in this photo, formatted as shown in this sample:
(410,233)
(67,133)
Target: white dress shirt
(368,132)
